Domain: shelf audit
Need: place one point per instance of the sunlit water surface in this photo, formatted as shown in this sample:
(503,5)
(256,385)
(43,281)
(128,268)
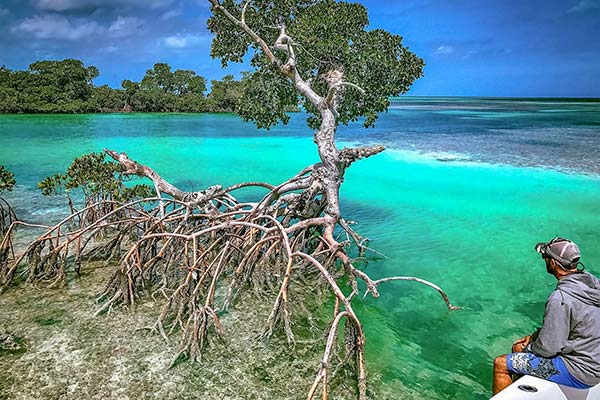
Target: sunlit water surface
(464,191)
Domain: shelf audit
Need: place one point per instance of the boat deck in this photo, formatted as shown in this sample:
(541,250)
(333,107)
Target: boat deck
(531,388)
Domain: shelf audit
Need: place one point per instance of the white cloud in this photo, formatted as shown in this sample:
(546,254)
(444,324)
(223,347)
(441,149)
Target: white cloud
(181,41)
(56,26)
(109,49)
(155,3)
(124,26)
(170,14)
(176,42)
(585,5)
(65,5)
(444,50)
(57,5)
(52,26)
(44,55)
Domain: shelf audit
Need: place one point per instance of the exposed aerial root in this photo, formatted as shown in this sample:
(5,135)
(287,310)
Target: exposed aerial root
(7,216)
(445,297)
(198,251)
(104,226)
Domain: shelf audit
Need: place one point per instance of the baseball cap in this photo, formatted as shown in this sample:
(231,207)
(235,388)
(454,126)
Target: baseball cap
(565,251)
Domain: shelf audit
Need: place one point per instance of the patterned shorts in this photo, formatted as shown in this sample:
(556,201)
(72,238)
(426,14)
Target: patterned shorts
(550,369)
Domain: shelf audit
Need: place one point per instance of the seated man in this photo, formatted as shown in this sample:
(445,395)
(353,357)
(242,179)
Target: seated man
(566,350)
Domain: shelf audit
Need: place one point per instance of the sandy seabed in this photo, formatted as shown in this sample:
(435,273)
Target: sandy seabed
(70,354)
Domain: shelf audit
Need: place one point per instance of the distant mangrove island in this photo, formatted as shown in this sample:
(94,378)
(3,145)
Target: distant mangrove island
(67,87)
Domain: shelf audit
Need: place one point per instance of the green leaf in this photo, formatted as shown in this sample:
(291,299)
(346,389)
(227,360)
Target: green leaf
(7,179)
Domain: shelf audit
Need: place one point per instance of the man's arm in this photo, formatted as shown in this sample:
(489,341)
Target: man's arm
(553,336)
(520,345)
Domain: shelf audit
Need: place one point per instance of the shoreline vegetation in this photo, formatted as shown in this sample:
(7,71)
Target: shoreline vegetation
(66,87)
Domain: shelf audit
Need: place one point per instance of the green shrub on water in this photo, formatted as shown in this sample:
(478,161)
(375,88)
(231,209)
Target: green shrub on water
(98,179)
(7,179)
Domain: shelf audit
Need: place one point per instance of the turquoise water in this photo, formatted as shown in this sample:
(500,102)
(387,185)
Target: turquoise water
(464,191)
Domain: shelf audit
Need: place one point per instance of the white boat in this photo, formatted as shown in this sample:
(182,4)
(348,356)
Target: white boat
(531,388)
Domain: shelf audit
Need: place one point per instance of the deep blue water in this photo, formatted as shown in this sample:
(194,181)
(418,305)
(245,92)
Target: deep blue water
(550,133)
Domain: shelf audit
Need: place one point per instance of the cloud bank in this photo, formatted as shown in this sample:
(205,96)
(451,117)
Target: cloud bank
(57,26)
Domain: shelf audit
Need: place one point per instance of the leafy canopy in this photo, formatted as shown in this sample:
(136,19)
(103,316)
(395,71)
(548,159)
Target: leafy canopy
(97,177)
(163,90)
(47,86)
(224,94)
(326,35)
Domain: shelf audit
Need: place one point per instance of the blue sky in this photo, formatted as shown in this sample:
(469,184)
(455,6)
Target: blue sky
(471,48)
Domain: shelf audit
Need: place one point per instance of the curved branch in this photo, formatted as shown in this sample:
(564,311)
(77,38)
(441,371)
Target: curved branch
(243,18)
(335,87)
(450,306)
(350,155)
(248,184)
(135,168)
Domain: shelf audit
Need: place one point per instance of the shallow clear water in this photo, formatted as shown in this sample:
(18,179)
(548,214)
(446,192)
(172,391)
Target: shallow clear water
(464,191)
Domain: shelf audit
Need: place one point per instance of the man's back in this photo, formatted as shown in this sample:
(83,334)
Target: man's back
(572,326)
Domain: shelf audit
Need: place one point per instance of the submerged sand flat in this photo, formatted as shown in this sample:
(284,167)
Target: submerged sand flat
(72,355)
